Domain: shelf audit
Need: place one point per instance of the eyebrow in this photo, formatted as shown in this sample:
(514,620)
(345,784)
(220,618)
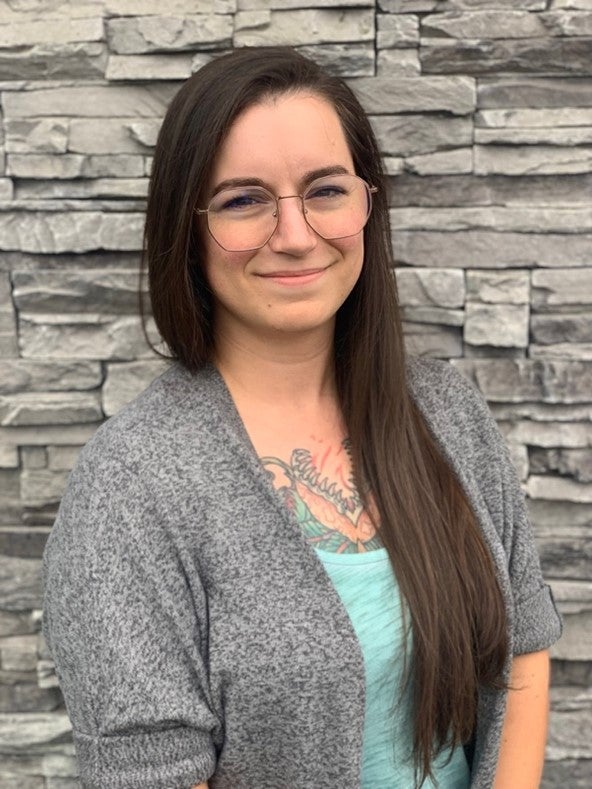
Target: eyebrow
(308,178)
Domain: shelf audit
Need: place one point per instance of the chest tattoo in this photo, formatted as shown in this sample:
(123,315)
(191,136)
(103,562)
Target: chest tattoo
(319,489)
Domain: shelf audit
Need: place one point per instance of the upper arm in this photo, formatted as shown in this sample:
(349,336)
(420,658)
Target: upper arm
(123,627)
(524,731)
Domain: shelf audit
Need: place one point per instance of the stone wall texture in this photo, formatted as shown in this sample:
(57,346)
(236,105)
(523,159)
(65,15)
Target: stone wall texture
(483,109)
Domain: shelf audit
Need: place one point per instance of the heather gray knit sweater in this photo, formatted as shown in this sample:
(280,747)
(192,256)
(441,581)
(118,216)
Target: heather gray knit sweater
(196,634)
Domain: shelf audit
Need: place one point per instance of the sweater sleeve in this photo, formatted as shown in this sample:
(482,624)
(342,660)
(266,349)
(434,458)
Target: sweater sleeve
(124,619)
(535,619)
(471,441)
(537,623)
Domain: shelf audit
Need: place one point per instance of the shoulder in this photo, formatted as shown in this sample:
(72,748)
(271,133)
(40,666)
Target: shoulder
(176,407)
(447,399)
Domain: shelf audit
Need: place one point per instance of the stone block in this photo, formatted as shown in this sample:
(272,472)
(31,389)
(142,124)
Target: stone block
(72,61)
(430,287)
(76,291)
(70,232)
(29,732)
(385,96)
(33,457)
(520,219)
(8,457)
(550,329)
(483,24)
(562,350)
(268,5)
(548,516)
(303,26)
(43,485)
(472,5)
(346,60)
(20,590)
(82,188)
(503,325)
(573,463)
(499,287)
(52,9)
(83,336)
(562,286)
(542,412)
(49,408)
(575,773)
(397,30)
(458,190)
(9,479)
(6,189)
(21,375)
(570,724)
(149,67)
(48,434)
(43,135)
(566,555)
(534,92)
(50,31)
(547,487)
(568,23)
(15,622)
(583,5)
(126,381)
(562,56)
(407,6)
(442,342)
(72,165)
(155,8)
(533,160)
(406,135)
(62,458)
(561,137)
(438,315)
(45,165)
(551,117)
(112,136)
(139,34)
(393,165)
(547,434)
(441,162)
(487,249)
(519,380)
(94,101)
(397,63)
(18,653)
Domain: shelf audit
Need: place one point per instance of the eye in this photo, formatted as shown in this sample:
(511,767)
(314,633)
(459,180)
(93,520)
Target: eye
(235,200)
(326,191)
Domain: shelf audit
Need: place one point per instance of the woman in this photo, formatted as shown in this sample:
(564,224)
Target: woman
(297,560)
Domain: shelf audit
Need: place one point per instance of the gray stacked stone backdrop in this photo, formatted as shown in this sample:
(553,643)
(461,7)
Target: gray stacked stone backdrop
(483,109)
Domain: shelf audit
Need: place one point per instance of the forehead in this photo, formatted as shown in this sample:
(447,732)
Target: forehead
(284,135)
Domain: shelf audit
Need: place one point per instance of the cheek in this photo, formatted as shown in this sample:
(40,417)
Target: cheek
(352,248)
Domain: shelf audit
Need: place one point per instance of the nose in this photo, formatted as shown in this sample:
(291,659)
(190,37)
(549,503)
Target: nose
(293,235)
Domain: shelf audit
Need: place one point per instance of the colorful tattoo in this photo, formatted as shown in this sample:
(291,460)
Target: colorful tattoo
(320,490)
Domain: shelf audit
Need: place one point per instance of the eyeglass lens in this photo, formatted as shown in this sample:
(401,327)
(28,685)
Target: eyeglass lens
(246,217)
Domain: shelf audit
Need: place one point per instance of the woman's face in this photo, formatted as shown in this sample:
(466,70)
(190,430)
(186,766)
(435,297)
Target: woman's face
(297,281)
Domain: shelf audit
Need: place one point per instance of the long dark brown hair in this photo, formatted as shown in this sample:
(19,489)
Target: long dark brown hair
(426,523)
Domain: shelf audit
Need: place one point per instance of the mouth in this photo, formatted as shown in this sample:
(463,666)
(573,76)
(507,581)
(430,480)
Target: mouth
(292,277)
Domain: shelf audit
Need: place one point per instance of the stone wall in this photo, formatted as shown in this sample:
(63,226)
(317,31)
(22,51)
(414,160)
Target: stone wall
(484,112)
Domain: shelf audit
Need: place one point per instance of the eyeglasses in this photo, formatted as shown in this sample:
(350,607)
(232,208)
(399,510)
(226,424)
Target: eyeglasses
(246,217)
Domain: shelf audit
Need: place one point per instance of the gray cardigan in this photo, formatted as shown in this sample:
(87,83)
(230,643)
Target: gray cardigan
(196,634)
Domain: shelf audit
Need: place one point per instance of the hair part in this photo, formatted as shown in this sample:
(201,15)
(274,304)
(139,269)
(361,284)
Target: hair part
(424,518)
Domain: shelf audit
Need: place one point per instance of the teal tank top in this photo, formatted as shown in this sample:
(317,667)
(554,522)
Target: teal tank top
(367,587)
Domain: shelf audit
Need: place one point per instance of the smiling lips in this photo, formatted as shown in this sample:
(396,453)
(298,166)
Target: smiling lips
(291,277)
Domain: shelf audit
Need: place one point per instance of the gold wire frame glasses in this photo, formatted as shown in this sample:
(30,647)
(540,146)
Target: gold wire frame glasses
(244,218)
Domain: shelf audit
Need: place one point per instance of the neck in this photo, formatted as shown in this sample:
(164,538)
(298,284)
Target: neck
(280,370)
